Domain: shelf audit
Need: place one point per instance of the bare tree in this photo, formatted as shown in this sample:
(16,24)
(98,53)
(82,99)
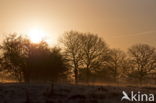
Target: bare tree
(143,59)
(117,63)
(94,52)
(73,50)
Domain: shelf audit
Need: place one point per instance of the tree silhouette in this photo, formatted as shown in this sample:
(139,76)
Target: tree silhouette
(73,50)
(94,51)
(14,54)
(46,64)
(84,51)
(143,59)
(117,63)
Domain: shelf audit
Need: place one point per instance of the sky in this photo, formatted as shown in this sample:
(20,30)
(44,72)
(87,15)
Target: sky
(121,23)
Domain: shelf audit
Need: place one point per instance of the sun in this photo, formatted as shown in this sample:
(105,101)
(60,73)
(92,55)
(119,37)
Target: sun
(36,35)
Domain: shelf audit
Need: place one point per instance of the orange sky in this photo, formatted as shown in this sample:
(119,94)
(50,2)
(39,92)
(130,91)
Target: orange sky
(120,22)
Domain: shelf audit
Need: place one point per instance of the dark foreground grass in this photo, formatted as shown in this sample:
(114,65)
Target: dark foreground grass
(66,93)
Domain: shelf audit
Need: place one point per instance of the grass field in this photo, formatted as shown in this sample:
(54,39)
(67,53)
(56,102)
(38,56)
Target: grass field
(65,93)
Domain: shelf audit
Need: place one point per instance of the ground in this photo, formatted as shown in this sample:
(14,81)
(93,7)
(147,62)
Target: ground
(65,93)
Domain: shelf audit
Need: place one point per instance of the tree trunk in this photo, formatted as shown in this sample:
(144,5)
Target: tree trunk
(88,75)
(76,75)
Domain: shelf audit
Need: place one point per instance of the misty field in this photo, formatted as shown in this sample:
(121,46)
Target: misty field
(65,93)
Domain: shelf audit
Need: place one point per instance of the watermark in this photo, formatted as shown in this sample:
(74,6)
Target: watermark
(137,97)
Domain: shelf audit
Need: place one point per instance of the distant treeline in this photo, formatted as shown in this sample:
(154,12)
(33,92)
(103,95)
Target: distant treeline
(82,57)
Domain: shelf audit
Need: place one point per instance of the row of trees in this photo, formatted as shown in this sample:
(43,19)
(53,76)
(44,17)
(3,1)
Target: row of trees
(92,60)
(83,56)
(25,61)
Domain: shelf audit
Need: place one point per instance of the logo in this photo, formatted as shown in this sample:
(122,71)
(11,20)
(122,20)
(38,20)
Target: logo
(141,97)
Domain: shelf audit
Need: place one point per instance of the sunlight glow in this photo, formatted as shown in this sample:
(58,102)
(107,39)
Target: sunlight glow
(36,35)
